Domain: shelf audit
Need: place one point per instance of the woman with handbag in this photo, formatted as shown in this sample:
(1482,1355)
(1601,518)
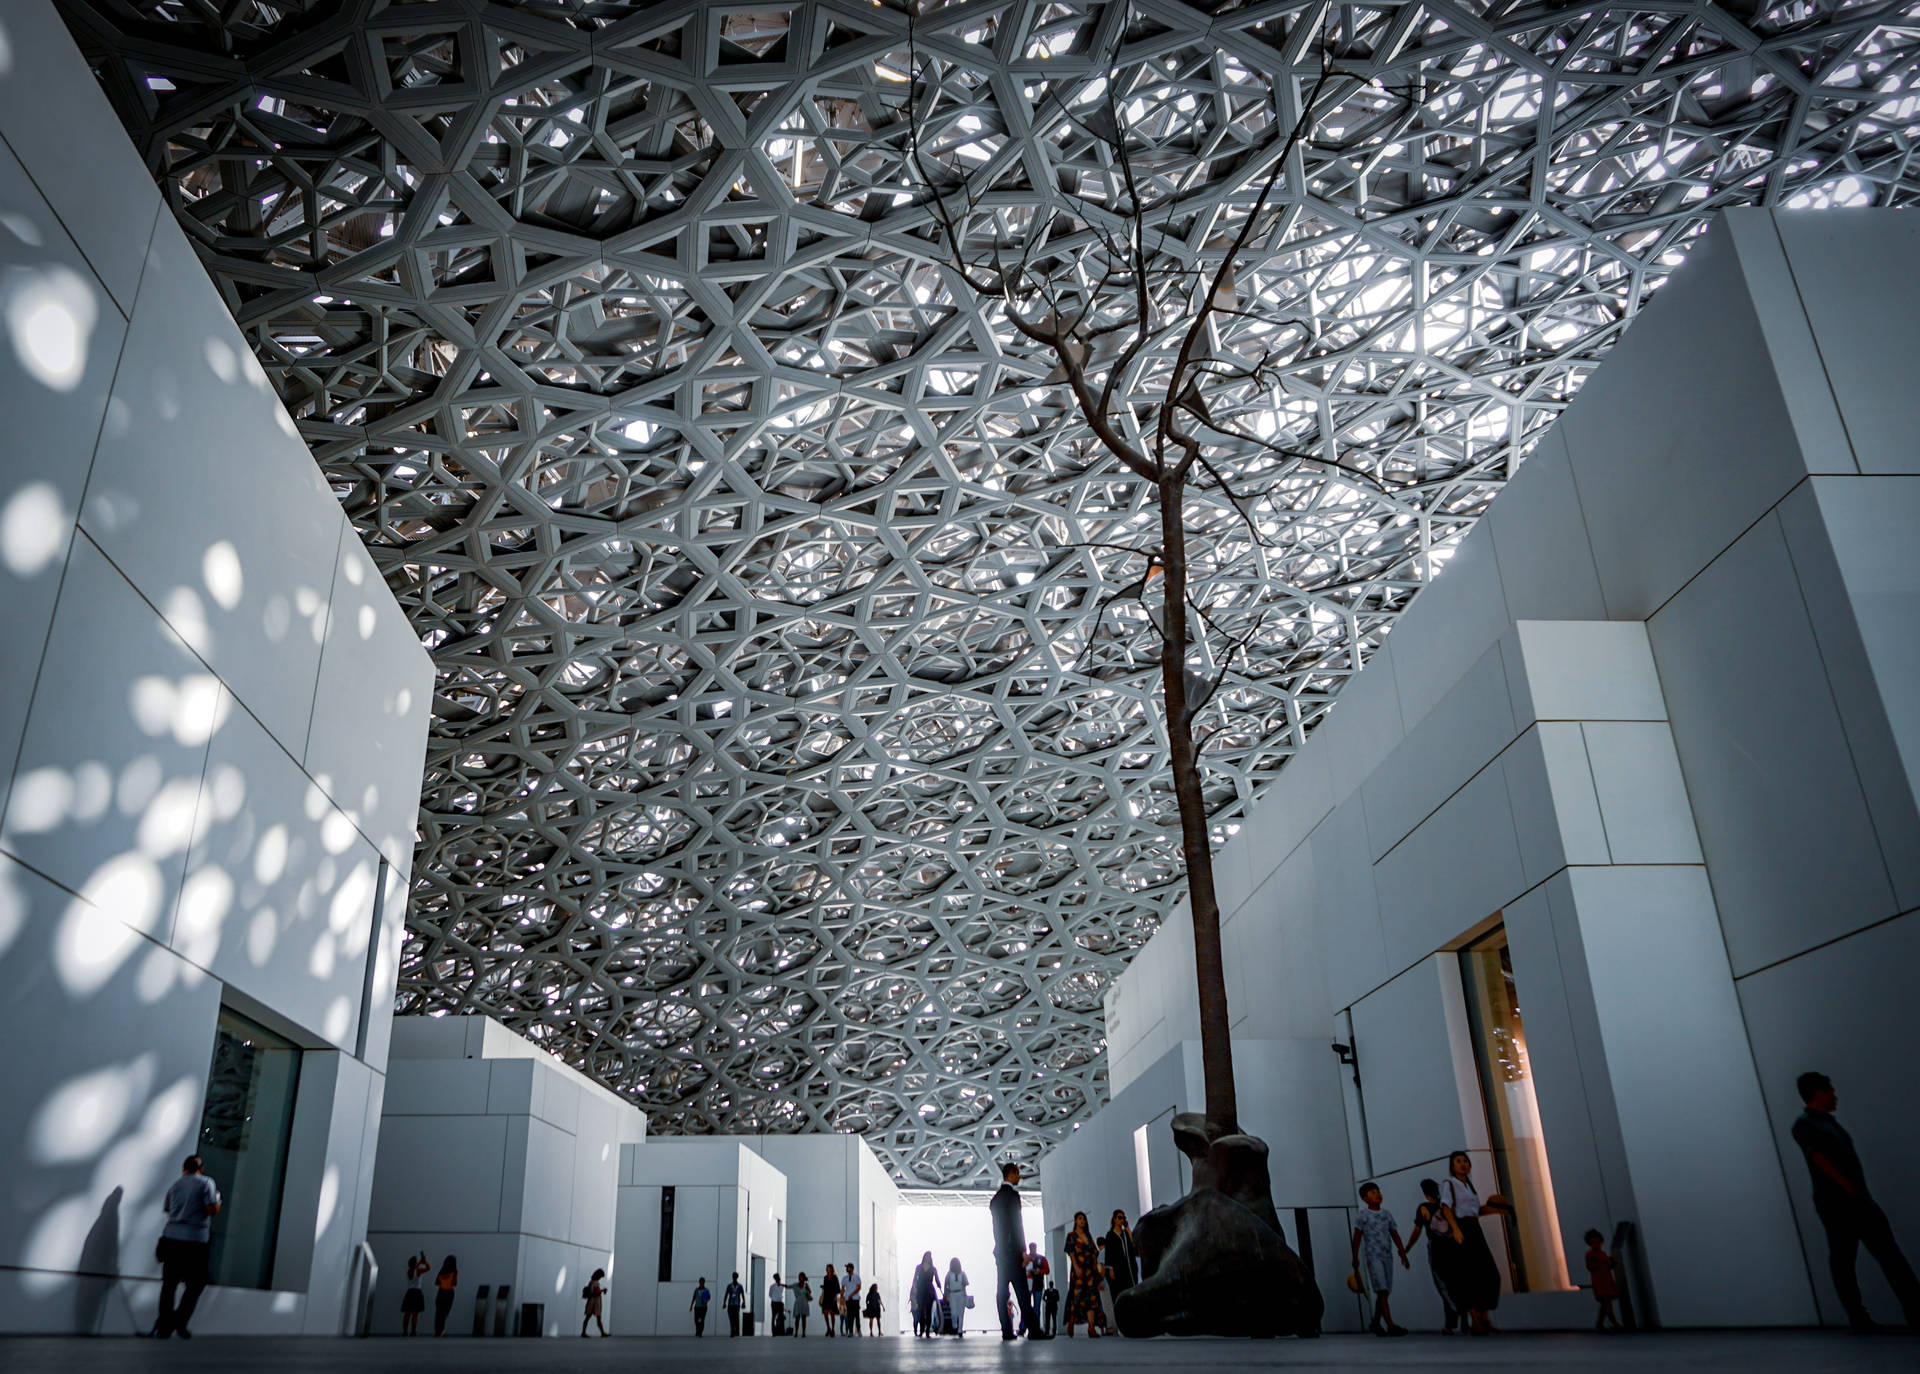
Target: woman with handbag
(957,1296)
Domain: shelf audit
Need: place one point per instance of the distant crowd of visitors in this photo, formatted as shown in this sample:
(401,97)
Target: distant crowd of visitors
(1460,1260)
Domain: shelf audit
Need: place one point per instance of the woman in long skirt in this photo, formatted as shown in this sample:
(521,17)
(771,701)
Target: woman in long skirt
(925,1279)
(1083,1282)
(1475,1277)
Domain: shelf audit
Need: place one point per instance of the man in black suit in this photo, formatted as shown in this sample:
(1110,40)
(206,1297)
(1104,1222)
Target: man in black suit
(1010,1257)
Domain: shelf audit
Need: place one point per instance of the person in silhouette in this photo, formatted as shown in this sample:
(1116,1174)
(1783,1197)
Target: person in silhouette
(802,1300)
(1010,1257)
(1052,1304)
(1475,1278)
(1434,1221)
(413,1302)
(595,1294)
(444,1284)
(1083,1277)
(1604,1282)
(186,1244)
(830,1298)
(702,1296)
(1846,1209)
(926,1279)
(733,1299)
(850,1291)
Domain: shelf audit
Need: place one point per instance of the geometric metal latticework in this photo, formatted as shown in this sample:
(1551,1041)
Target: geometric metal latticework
(778,777)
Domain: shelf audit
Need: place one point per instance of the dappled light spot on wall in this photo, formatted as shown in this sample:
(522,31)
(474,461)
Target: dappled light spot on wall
(188,617)
(6,53)
(220,566)
(90,945)
(139,780)
(160,971)
(189,709)
(223,360)
(205,900)
(23,229)
(50,314)
(13,907)
(270,855)
(80,1118)
(329,1200)
(337,832)
(338,1019)
(33,529)
(263,933)
(351,905)
(166,826)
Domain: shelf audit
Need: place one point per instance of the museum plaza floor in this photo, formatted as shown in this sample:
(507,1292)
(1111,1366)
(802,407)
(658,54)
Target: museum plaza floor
(1832,1352)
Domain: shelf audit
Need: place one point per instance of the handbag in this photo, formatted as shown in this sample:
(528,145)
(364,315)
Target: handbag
(969,1301)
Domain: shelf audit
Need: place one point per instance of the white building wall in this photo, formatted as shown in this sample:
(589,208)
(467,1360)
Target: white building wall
(841,1206)
(495,1152)
(730,1205)
(1655,716)
(212,721)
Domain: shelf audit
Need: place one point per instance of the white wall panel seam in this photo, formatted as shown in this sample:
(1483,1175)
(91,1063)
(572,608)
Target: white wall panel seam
(326,637)
(1813,337)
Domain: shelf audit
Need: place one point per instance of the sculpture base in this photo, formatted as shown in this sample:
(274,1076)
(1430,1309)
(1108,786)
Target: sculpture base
(1216,1262)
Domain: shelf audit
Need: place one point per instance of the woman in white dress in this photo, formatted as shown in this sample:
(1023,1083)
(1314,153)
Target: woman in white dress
(956,1296)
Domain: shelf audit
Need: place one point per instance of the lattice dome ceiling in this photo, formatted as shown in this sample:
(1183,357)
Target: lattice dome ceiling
(779,777)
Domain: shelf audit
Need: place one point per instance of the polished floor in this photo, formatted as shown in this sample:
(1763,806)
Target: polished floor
(1828,1352)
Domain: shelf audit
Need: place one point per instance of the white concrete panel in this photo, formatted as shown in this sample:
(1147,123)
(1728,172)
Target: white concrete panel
(1461,735)
(1575,805)
(1868,627)
(1781,815)
(437,1087)
(56,366)
(547,1209)
(439,1173)
(1643,798)
(596,1176)
(1589,670)
(1687,407)
(386,968)
(510,1087)
(1453,621)
(1859,278)
(696,1230)
(205,496)
(99,1114)
(1289,1096)
(1540,541)
(1846,1010)
(279,895)
(1279,958)
(1348,906)
(366,747)
(1363,726)
(1287,811)
(1457,869)
(557,1098)
(1788,335)
(1695,1125)
(109,774)
(1536,822)
(1401,1035)
(106,197)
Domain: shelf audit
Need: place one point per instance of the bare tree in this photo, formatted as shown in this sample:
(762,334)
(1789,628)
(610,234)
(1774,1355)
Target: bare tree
(1110,277)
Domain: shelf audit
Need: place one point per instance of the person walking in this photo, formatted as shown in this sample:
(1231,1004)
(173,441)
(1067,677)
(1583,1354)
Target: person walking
(1846,1208)
(874,1307)
(1475,1282)
(186,1244)
(926,1279)
(1010,1258)
(1037,1269)
(1053,1309)
(956,1297)
(1604,1282)
(414,1301)
(444,1284)
(1434,1220)
(850,1302)
(595,1294)
(1119,1265)
(829,1299)
(698,1306)
(1083,1277)
(802,1300)
(733,1299)
(1376,1242)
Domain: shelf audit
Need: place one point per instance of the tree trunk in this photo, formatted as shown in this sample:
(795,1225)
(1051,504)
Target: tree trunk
(1216,1043)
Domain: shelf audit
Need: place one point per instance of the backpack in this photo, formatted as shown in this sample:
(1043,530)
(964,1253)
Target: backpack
(586,1290)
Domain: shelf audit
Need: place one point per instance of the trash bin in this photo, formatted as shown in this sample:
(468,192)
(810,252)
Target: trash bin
(746,1322)
(533,1318)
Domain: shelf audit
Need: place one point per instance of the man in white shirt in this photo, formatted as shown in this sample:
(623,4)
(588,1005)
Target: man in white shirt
(185,1245)
(777,1306)
(852,1292)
